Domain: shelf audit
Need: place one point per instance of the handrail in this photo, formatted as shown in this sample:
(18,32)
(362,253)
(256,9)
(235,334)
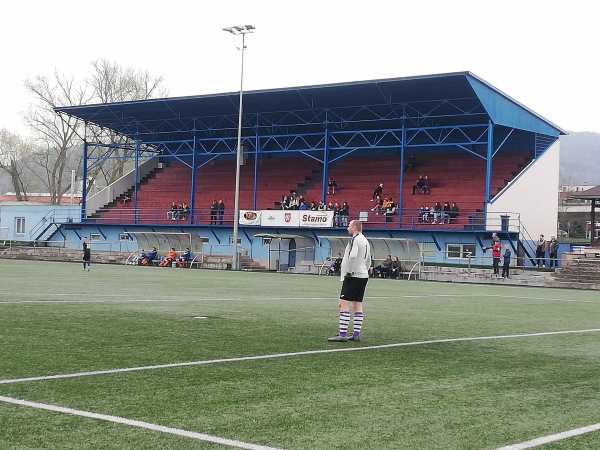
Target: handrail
(473,220)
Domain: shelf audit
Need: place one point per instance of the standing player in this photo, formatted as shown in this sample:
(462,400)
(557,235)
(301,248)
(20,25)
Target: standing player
(87,253)
(354,275)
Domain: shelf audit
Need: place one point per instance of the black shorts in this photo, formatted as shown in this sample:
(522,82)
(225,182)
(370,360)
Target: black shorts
(353,289)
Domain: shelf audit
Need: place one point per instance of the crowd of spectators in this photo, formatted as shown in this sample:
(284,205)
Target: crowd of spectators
(438,214)
(389,268)
(178,212)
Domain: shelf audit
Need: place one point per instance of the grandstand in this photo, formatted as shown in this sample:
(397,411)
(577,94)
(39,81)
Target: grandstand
(483,150)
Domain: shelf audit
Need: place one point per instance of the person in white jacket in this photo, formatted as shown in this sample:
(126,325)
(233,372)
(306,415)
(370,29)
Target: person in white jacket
(354,274)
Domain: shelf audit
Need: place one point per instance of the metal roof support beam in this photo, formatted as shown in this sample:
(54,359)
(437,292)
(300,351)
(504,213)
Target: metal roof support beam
(488,172)
(84,181)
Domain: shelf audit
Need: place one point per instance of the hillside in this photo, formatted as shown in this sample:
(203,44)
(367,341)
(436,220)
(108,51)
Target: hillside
(580,158)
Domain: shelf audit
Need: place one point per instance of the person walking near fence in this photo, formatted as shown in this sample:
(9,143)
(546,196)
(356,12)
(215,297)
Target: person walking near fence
(540,251)
(496,253)
(87,254)
(506,265)
(553,251)
(354,274)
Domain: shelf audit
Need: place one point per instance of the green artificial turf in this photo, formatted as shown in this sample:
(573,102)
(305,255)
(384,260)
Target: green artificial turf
(461,394)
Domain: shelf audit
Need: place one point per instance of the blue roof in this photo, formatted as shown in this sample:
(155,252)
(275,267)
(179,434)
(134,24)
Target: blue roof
(452,99)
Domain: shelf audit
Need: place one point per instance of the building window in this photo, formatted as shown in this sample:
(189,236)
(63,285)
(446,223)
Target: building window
(94,237)
(123,236)
(460,251)
(20,226)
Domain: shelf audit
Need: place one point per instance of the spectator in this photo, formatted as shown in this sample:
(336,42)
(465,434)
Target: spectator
(303,206)
(152,254)
(505,266)
(184,258)
(427,187)
(384,268)
(344,213)
(540,251)
(454,211)
(419,185)
(331,186)
(396,268)
(214,209)
(336,214)
(495,239)
(437,212)
(428,215)
(179,211)
(142,256)
(185,211)
(167,261)
(496,251)
(553,252)
(446,212)
(379,206)
(422,212)
(171,213)
(313,206)
(389,210)
(411,164)
(377,192)
(330,206)
(336,264)
(294,202)
(87,253)
(321,206)
(221,211)
(285,202)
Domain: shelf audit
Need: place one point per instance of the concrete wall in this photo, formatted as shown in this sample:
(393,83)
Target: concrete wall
(532,197)
(36,217)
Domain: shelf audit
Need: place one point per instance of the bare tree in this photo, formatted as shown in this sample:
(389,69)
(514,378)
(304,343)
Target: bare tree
(56,135)
(59,137)
(112,83)
(13,153)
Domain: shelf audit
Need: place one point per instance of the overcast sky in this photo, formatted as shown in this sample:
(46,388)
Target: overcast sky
(541,53)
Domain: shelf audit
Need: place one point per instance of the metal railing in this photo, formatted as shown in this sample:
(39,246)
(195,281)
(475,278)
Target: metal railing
(407,219)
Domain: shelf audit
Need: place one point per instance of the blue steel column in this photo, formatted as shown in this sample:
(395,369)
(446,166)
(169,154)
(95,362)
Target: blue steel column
(84,181)
(325,166)
(193,193)
(400,207)
(137,178)
(488,176)
(256,144)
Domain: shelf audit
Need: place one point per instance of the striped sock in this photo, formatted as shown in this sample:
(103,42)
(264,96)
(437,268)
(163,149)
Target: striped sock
(358,320)
(344,321)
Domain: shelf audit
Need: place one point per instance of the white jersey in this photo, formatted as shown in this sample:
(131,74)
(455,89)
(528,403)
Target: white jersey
(357,257)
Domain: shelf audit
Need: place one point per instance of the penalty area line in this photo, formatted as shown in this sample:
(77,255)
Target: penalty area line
(552,438)
(137,423)
(291,354)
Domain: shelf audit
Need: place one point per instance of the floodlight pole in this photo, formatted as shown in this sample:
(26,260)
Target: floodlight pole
(236,30)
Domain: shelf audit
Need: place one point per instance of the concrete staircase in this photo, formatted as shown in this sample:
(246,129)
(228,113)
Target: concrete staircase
(248,264)
(582,271)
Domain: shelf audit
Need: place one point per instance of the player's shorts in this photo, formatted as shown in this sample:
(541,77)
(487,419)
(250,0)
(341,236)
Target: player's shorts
(353,289)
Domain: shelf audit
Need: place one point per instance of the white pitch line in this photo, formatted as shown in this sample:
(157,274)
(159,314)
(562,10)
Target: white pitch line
(286,355)
(137,423)
(552,438)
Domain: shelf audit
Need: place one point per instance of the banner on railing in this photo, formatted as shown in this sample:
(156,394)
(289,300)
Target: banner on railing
(282,218)
(248,217)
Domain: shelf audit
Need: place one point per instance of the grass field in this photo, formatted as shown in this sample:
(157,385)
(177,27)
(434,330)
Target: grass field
(440,365)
